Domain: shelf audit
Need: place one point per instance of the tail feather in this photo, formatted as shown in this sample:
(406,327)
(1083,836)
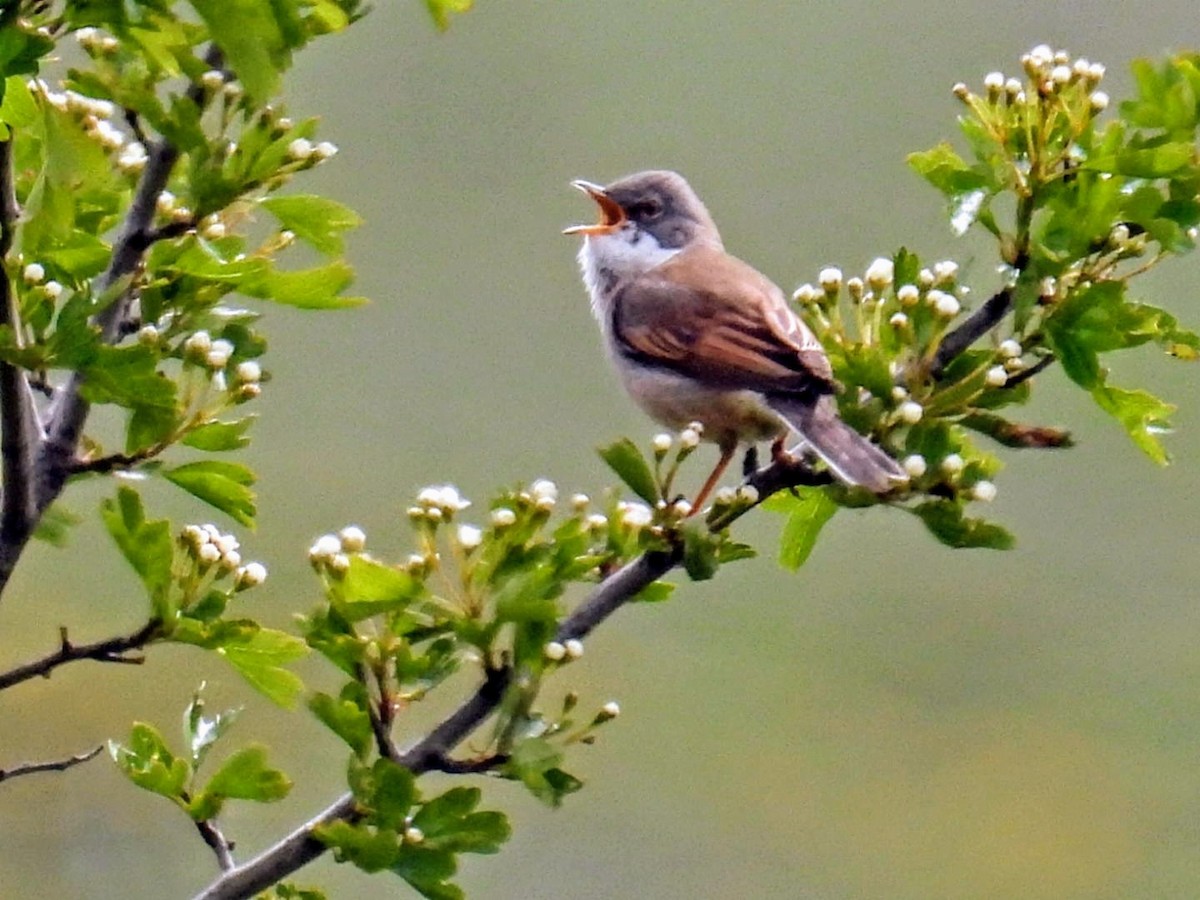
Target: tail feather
(851,457)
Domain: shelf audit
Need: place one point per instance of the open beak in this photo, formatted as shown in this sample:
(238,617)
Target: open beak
(612,216)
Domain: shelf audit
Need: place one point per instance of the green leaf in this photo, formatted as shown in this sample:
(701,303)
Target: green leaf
(440,10)
(318,288)
(945,520)
(386,789)
(807,515)
(534,762)
(449,822)
(346,716)
(428,871)
(223,485)
(655,592)
(1142,415)
(1154,162)
(942,167)
(370,588)
(260,656)
(128,377)
(203,731)
(217,437)
(370,849)
(148,763)
(146,545)
(244,776)
(699,551)
(18,109)
(314,219)
(249,33)
(627,461)
(54,527)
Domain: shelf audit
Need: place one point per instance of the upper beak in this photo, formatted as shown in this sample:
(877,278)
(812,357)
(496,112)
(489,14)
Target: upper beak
(612,216)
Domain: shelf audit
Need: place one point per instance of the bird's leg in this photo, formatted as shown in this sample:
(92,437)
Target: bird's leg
(750,461)
(722,464)
(779,452)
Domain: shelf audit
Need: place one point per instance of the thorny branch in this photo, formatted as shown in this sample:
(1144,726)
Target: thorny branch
(57,765)
(111,650)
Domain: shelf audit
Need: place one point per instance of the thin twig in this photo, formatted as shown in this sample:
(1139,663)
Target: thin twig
(217,841)
(58,765)
(1025,374)
(18,415)
(972,329)
(111,650)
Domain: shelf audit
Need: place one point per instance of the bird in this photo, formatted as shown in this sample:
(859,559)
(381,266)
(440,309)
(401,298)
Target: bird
(698,335)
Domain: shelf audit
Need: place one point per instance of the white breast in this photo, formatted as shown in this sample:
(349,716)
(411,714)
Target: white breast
(610,260)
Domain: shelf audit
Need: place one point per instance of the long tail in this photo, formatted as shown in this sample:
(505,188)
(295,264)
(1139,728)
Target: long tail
(851,457)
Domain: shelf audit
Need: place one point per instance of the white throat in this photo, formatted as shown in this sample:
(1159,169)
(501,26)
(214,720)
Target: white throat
(609,261)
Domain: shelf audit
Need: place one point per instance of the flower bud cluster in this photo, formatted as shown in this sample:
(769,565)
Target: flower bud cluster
(332,552)
(208,546)
(304,151)
(563,651)
(437,503)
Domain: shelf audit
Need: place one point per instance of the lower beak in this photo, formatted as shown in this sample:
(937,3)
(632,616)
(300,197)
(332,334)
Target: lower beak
(612,216)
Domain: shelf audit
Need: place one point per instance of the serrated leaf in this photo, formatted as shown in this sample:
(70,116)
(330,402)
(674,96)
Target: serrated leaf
(627,461)
(386,789)
(700,549)
(245,776)
(942,167)
(146,545)
(1141,414)
(317,220)
(249,33)
(449,822)
(370,849)
(218,437)
(370,588)
(535,762)
(346,716)
(222,485)
(317,288)
(428,872)
(54,527)
(260,656)
(149,764)
(18,109)
(807,515)
(203,731)
(946,522)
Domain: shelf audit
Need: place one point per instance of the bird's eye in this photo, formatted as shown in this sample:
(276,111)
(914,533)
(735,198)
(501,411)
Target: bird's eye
(646,210)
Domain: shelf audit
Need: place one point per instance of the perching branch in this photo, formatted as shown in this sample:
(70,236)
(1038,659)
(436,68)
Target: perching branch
(18,416)
(58,765)
(432,752)
(217,842)
(112,650)
(972,329)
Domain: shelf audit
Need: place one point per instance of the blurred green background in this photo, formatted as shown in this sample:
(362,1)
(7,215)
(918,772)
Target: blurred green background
(896,720)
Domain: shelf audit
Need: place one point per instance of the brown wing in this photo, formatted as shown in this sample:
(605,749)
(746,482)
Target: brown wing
(712,317)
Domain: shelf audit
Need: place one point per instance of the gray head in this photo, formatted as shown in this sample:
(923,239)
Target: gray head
(658,203)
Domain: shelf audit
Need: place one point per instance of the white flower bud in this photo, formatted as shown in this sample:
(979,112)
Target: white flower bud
(213,79)
(1061,75)
(855,288)
(830,279)
(413,835)
(983,491)
(1009,348)
(579,502)
(208,553)
(952,464)
(925,279)
(879,273)
(945,271)
(214,230)
(597,522)
(689,438)
(554,651)
(661,443)
(339,563)
(806,293)
(52,289)
(682,508)
(635,515)
(898,320)
(1095,71)
(300,149)
(909,412)
(231,560)
(33,273)
(165,204)
(1012,88)
(908,295)
(218,354)
(502,517)
(248,372)
(945,305)
(574,648)
(469,537)
(250,575)
(325,150)
(747,493)
(914,465)
(195,535)
(611,709)
(352,538)
(324,548)
(543,488)
(148,335)
(724,496)
(198,344)
(232,90)
(1098,101)
(996,377)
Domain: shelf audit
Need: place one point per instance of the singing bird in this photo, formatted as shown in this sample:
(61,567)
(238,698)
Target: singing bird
(697,335)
